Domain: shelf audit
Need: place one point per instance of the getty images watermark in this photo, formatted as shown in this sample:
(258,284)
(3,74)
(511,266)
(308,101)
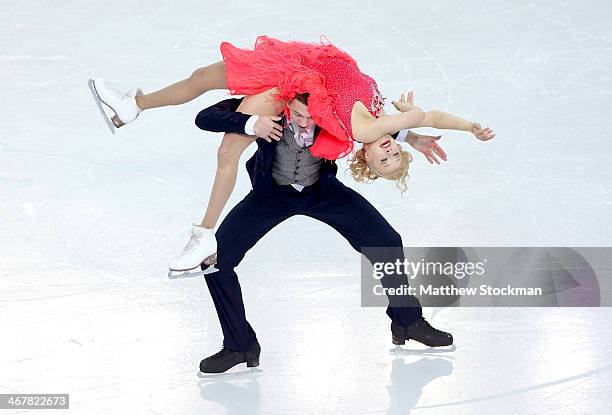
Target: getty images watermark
(487,276)
(458,270)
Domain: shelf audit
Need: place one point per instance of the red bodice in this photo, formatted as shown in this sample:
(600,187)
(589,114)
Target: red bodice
(328,74)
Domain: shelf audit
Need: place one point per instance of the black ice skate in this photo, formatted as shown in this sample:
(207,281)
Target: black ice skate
(226,359)
(422,332)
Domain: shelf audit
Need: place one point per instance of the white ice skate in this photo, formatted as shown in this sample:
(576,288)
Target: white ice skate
(121,103)
(201,249)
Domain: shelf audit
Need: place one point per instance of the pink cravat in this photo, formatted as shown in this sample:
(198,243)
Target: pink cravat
(304,137)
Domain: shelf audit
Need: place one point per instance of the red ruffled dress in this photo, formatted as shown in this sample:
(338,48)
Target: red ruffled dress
(328,74)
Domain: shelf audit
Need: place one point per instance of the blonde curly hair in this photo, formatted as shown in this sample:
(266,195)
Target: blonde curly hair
(361,172)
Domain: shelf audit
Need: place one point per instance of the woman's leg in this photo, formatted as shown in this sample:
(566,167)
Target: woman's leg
(228,156)
(201,80)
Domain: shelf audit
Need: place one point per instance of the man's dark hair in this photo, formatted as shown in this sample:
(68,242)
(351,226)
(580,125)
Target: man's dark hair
(303,97)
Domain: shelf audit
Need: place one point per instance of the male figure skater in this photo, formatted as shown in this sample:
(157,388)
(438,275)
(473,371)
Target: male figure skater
(287,180)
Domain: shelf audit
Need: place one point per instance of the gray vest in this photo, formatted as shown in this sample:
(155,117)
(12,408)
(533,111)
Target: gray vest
(293,164)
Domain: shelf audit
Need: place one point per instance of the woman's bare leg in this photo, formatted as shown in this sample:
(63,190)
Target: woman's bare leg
(200,81)
(228,156)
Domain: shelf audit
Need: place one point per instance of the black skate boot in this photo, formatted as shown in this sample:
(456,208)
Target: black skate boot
(398,334)
(226,359)
(422,332)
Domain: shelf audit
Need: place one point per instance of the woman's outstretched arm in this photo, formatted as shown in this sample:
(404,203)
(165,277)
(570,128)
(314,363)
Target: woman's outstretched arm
(442,120)
(367,129)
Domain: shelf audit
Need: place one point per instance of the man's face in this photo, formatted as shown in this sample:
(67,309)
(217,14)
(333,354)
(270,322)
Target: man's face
(383,154)
(299,115)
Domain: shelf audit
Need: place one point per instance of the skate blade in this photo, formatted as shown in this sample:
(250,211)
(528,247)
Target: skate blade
(211,260)
(209,269)
(99,103)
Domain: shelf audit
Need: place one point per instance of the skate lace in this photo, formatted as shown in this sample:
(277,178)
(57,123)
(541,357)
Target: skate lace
(221,355)
(116,92)
(193,243)
(425,324)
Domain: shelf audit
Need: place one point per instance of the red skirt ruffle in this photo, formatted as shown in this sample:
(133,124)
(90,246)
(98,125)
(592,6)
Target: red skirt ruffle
(288,67)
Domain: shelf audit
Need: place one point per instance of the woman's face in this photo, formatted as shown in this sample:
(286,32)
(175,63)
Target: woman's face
(383,155)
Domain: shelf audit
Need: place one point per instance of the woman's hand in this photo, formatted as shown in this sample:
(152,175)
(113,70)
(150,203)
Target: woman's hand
(406,102)
(483,134)
(427,145)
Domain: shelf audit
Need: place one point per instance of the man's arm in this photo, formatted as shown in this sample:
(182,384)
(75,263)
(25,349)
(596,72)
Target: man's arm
(222,117)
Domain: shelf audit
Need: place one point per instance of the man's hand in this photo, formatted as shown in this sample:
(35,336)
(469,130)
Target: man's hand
(427,145)
(267,128)
(483,134)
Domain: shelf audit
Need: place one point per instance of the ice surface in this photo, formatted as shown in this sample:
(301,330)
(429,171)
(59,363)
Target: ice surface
(89,221)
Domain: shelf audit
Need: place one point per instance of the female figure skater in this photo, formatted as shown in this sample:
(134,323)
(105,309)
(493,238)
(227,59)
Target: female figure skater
(344,102)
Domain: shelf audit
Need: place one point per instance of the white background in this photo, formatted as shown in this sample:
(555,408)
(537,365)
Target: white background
(89,221)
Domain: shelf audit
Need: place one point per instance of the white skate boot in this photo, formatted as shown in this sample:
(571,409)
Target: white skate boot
(122,103)
(201,249)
